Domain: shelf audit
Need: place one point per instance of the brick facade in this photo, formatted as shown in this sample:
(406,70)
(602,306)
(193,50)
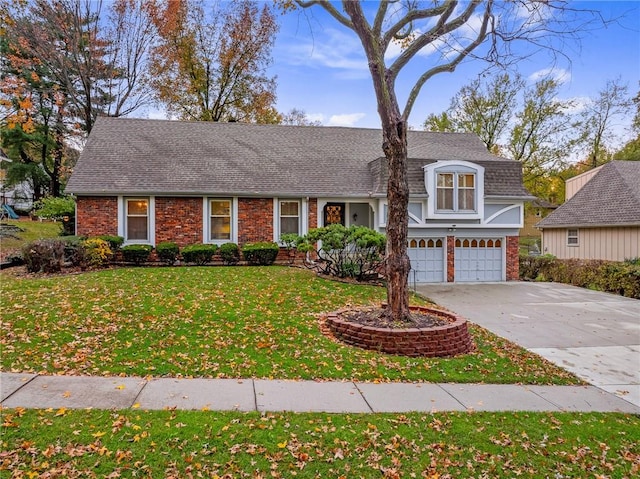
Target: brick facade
(97,215)
(451,255)
(179,220)
(513,258)
(255,220)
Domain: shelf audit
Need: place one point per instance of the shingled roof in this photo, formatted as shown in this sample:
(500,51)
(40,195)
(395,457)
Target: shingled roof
(610,198)
(136,156)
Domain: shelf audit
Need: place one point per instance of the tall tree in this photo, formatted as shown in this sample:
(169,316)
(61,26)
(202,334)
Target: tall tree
(297,117)
(481,108)
(600,119)
(211,66)
(456,29)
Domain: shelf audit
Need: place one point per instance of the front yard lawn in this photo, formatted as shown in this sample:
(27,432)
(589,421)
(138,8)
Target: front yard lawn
(228,322)
(172,444)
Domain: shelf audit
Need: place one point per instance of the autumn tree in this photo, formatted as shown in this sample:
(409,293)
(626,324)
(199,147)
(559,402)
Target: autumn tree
(600,119)
(211,65)
(456,31)
(483,108)
(63,64)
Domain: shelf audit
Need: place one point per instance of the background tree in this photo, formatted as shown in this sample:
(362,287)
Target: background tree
(457,30)
(211,66)
(297,117)
(600,119)
(63,64)
(483,108)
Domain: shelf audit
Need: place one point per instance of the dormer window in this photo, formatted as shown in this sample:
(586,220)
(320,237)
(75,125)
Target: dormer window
(455,188)
(456,192)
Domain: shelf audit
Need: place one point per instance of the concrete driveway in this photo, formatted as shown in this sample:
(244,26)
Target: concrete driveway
(594,335)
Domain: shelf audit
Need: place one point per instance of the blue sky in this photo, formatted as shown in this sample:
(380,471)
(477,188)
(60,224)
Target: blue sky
(321,70)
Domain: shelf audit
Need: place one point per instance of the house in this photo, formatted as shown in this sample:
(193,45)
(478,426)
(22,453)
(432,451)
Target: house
(192,182)
(601,216)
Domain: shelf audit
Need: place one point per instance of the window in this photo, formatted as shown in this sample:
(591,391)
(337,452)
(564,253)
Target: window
(137,225)
(289,217)
(220,220)
(572,237)
(448,199)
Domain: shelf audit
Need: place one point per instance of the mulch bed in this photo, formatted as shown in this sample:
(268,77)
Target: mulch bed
(379,317)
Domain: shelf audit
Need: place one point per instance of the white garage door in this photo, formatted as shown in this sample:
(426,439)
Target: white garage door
(478,259)
(427,260)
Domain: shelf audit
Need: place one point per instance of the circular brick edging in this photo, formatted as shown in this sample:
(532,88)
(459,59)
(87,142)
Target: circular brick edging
(438,341)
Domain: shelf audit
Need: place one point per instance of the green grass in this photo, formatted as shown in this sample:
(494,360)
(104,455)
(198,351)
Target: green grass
(133,443)
(259,322)
(32,230)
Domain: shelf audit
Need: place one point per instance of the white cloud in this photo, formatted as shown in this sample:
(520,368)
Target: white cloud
(578,104)
(315,117)
(347,119)
(335,50)
(558,74)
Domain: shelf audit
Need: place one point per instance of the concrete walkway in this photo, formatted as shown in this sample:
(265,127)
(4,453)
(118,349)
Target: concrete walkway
(80,392)
(592,334)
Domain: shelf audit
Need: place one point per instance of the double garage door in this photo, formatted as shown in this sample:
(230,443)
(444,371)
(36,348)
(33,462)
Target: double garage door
(475,259)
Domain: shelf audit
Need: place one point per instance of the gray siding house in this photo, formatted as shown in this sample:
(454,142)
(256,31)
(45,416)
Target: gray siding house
(202,182)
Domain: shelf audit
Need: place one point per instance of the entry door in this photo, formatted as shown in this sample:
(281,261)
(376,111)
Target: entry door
(334,214)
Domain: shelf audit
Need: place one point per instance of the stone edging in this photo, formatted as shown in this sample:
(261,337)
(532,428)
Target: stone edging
(439,341)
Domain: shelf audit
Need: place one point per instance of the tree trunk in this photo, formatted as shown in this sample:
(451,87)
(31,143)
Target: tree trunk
(397,265)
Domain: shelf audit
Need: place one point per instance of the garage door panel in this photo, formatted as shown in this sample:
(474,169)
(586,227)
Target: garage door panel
(478,259)
(427,259)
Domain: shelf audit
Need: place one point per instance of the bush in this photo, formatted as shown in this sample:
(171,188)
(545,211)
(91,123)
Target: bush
(115,242)
(622,278)
(55,208)
(97,252)
(46,256)
(354,252)
(230,253)
(136,253)
(290,242)
(199,253)
(74,250)
(263,253)
(167,252)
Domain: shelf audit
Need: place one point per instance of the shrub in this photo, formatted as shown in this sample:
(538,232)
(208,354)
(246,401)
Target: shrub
(115,242)
(98,253)
(55,208)
(354,252)
(262,253)
(46,256)
(199,253)
(136,253)
(230,253)
(74,250)
(614,277)
(290,242)
(167,252)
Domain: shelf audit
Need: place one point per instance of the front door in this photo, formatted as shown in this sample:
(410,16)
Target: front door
(334,213)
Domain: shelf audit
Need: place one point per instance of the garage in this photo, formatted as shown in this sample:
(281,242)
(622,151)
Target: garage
(479,259)
(427,260)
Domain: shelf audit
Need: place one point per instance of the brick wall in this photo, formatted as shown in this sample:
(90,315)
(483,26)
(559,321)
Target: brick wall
(451,253)
(97,215)
(313,213)
(512,258)
(179,220)
(255,220)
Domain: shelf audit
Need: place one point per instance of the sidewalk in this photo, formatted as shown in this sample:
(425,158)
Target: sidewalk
(80,392)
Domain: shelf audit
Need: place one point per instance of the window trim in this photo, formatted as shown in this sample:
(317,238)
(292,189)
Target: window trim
(279,216)
(123,218)
(571,237)
(431,172)
(233,220)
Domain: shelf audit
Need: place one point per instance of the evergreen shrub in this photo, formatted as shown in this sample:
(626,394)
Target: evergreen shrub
(263,253)
(199,253)
(136,253)
(167,252)
(230,253)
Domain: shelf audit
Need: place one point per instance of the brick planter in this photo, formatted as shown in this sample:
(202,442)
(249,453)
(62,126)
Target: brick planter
(438,341)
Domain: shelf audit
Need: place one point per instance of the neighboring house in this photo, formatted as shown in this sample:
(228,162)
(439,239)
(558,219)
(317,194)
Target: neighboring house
(535,211)
(202,182)
(601,216)
(19,196)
